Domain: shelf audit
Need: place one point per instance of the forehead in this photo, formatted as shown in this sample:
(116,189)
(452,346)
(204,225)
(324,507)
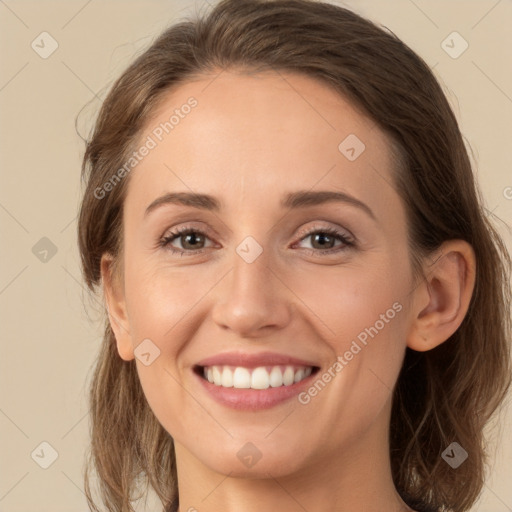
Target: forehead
(251,137)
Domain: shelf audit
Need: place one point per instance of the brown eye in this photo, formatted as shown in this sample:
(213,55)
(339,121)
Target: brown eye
(323,241)
(192,241)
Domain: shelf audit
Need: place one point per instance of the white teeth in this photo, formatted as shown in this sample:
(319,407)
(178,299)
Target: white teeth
(217,377)
(227,378)
(241,378)
(288,376)
(261,377)
(276,377)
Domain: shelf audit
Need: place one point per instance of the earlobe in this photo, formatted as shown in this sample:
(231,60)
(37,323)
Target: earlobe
(442,300)
(116,308)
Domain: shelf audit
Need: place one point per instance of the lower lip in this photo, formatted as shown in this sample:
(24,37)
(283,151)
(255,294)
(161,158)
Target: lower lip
(254,399)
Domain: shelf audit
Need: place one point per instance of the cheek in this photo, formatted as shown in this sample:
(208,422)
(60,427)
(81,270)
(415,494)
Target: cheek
(159,298)
(354,301)
(361,313)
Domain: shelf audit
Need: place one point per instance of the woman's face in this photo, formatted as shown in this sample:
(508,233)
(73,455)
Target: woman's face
(269,274)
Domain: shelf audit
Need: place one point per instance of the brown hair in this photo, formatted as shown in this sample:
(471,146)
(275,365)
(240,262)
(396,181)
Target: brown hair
(442,395)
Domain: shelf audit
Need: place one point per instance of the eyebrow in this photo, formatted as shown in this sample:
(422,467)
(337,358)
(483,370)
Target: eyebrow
(292,200)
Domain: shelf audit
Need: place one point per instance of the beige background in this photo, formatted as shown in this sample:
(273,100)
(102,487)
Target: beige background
(48,340)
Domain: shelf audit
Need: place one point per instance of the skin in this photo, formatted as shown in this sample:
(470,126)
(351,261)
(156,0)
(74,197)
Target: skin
(251,139)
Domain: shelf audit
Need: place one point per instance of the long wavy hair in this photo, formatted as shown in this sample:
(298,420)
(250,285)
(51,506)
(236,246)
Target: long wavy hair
(442,395)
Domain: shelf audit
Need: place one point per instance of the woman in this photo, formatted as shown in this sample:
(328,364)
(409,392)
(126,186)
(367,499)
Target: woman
(305,298)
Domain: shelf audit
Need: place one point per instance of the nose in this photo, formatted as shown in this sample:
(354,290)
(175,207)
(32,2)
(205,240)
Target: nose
(252,298)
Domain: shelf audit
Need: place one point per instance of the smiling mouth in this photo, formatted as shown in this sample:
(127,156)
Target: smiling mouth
(261,377)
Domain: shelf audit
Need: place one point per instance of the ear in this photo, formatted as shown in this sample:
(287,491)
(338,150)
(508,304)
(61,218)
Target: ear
(443,297)
(113,291)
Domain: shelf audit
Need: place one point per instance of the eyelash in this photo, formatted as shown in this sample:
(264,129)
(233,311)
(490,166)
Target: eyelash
(165,241)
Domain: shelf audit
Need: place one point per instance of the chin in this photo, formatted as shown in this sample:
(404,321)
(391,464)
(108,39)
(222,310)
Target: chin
(247,461)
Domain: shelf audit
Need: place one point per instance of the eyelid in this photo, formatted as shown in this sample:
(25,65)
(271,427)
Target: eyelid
(192,226)
(318,227)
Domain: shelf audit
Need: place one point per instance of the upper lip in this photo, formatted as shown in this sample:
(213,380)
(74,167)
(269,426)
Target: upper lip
(253,360)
